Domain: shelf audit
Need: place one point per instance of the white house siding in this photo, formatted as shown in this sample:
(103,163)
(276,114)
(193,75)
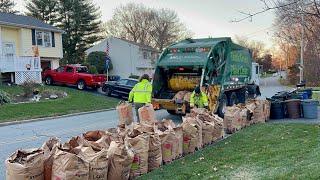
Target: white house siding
(127,58)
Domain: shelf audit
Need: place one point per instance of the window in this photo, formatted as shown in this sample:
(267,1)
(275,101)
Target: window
(39,36)
(145,55)
(44,38)
(82,69)
(69,69)
(47,39)
(122,82)
(60,69)
(131,83)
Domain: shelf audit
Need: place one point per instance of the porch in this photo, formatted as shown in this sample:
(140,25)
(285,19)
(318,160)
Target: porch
(22,68)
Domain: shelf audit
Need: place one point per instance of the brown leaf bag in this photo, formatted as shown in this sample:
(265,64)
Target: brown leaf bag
(218,132)
(125,113)
(98,162)
(49,148)
(120,160)
(168,140)
(68,165)
(140,147)
(147,115)
(207,132)
(154,153)
(178,146)
(192,134)
(232,120)
(25,164)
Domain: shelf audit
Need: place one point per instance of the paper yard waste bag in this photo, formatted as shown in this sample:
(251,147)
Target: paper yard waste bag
(120,160)
(218,132)
(257,107)
(187,96)
(125,113)
(98,139)
(192,135)
(98,162)
(179,142)
(168,123)
(155,152)
(168,140)
(179,95)
(147,115)
(49,148)
(207,132)
(232,120)
(25,164)
(266,107)
(68,165)
(140,147)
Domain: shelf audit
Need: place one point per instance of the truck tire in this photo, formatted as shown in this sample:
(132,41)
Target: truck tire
(81,85)
(223,102)
(48,80)
(108,91)
(233,99)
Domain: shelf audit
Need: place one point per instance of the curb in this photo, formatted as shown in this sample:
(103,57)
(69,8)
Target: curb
(52,117)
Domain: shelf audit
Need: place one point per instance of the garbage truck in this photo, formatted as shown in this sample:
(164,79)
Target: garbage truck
(225,71)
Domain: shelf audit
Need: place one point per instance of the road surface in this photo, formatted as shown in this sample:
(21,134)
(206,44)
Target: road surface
(29,135)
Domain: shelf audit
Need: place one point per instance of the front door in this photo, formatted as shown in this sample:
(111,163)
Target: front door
(9,51)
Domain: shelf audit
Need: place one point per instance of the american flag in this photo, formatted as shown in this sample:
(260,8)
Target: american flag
(107,49)
(107,58)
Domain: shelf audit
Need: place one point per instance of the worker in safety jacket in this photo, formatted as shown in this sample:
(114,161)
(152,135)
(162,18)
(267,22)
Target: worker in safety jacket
(141,93)
(198,99)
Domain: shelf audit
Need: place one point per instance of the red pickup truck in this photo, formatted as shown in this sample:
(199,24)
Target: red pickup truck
(73,75)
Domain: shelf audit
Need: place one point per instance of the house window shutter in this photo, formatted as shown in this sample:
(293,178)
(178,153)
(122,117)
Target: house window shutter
(53,39)
(33,32)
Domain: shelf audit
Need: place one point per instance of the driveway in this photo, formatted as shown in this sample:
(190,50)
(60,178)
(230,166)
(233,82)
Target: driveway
(29,135)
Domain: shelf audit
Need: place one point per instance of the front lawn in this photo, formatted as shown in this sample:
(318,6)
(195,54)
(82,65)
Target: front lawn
(76,101)
(265,151)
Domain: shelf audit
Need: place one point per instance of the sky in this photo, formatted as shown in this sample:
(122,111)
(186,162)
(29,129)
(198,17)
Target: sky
(205,17)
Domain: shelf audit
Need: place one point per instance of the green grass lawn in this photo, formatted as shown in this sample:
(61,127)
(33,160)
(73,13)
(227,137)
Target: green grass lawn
(265,151)
(76,101)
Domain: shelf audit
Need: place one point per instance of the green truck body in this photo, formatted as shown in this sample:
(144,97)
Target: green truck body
(214,61)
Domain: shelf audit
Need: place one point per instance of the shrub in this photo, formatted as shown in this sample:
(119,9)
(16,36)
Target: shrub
(92,70)
(97,59)
(28,88)
(4,97)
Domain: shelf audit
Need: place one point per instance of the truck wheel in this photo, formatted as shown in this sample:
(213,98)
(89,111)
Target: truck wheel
(81,85)
(48,80)
(222,105)
(172,112)
(108,91)
(233,99)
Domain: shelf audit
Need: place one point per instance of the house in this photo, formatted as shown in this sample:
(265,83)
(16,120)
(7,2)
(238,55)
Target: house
(27,45)
(127,57)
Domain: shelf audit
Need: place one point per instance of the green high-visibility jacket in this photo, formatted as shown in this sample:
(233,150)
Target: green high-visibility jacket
(200,100)
(141,92)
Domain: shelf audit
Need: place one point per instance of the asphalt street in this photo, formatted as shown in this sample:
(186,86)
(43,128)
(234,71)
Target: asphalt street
(30,135)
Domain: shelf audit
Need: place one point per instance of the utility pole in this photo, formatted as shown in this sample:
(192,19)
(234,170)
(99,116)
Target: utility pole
(301,67)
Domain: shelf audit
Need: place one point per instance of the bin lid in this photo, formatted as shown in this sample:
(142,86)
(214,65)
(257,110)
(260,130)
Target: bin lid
(310,101)
(292,100)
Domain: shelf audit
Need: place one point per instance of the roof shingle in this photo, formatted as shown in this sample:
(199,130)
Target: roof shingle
(25,21)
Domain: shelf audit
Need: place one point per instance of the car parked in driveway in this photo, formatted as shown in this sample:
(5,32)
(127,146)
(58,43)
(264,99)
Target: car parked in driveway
(119,88)
(74,75)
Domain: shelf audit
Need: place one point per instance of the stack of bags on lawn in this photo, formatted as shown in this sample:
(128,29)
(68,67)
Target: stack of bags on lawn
(125,152)
(239,116)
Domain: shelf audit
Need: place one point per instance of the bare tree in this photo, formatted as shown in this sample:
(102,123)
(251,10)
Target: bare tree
(138,23)
(257,47)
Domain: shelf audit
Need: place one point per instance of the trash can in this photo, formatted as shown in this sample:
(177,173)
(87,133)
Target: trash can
(310,109)
(277,110)
(293,108)
(309,92)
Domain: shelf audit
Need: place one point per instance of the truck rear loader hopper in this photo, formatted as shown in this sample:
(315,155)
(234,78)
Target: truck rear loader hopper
(222,68)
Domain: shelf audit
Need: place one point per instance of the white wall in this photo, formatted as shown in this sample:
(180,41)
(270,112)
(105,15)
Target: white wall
(126,58)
